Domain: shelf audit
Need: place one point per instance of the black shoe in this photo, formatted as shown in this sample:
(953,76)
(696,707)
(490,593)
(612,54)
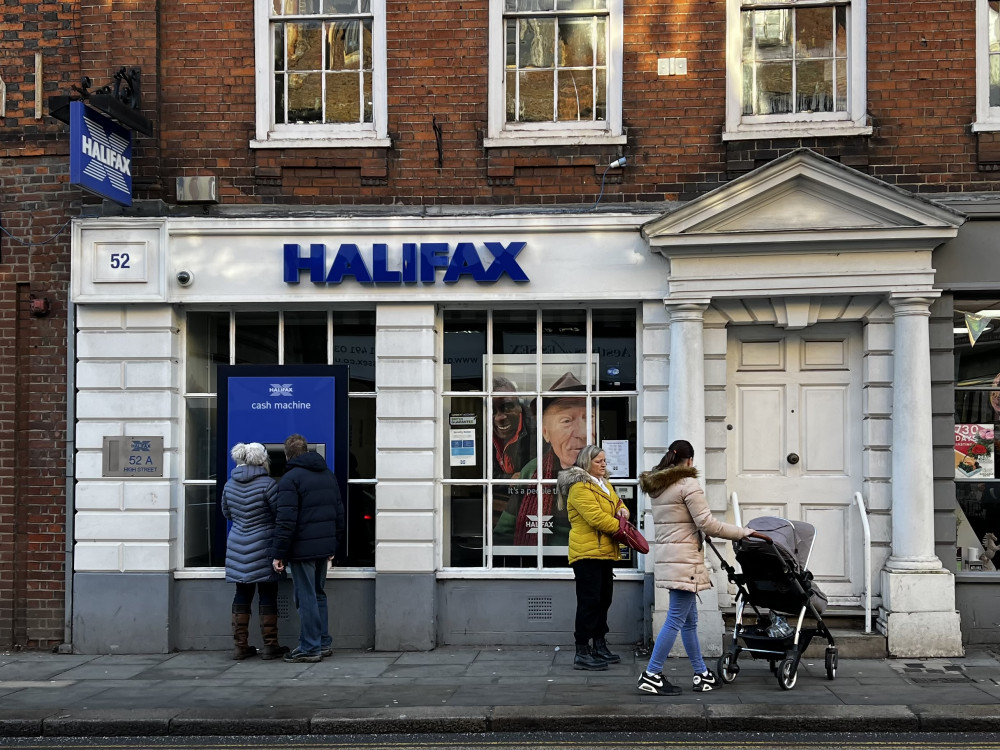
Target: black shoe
(601,649)
(327,652)
(656,684)
(587,659)
(705,682)
(297,657)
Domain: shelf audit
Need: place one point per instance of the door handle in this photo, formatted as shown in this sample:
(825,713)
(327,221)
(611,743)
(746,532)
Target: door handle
(793,458)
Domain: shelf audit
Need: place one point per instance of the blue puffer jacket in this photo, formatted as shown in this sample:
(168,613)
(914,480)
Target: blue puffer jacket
(310,519)
(249,500)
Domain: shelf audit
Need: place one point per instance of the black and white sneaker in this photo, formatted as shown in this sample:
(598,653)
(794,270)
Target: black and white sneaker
(705,682)
(656,684)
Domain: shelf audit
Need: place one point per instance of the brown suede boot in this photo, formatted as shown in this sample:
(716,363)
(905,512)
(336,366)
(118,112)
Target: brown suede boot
(241,632)
(269,632)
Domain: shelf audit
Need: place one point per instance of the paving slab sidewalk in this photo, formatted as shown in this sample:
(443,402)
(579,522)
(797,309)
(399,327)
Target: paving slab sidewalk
(460,689)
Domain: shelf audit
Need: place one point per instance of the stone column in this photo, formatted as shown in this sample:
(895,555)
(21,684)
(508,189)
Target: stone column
(918,612)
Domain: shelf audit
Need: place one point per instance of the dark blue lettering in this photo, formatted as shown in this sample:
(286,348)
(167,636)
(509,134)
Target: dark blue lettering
(380,262)
(409,262)
(504,260)
(295,263)
(464,261)
(432,255)
(348,263)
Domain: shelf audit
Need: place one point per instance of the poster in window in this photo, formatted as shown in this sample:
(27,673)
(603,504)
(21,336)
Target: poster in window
(974,451)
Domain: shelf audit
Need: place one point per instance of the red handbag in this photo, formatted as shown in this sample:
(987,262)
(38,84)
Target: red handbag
(631,536)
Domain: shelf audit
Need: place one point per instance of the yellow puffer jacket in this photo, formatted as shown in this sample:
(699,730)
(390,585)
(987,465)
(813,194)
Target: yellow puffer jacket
(591,516)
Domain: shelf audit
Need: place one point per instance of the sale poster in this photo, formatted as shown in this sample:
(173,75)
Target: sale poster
(974,451)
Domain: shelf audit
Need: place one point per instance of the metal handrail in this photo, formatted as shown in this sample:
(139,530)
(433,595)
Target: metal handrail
(737,515)
(866,530)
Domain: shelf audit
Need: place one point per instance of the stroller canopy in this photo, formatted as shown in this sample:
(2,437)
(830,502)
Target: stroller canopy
(795,537)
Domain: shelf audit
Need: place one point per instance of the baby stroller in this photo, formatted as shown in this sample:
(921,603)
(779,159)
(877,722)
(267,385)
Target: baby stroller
(775,577)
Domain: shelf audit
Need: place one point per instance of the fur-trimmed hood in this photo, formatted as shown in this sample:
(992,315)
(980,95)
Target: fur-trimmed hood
(567,478)
(655,482)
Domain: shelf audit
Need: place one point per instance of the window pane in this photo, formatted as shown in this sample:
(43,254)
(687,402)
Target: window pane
(774,89)
(616,421)
(614,343)
(564,331)
(279,47)
(464,347)
(305,96)
(512,429)
(464,525)
(199,449)
(279,100)
(340,6)
(199,527)
(362,458)
(772,30)
(463,439)
(257,338)
(978,525)
(814,89)
(576,42)
(354,346)
(304,46)
(343,97)
(814,32)
(536,96)
(360,512)
(207,347)
(305,338)
(576,95)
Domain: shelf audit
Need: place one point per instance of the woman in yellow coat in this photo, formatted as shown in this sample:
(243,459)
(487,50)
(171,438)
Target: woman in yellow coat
(593,509)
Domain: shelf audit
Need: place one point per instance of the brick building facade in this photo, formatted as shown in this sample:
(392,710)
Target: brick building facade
(918,125)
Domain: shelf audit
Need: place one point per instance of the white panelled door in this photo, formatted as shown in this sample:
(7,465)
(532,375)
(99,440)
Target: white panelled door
(794,439)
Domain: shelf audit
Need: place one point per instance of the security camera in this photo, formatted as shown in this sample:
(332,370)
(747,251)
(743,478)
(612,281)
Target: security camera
(184,278)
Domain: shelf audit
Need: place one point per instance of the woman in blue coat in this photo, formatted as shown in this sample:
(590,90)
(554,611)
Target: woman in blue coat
(249,501)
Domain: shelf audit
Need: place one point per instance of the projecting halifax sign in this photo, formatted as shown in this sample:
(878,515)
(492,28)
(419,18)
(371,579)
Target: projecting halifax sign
(100,154)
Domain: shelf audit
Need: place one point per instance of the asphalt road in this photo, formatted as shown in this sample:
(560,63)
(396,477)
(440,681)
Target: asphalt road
(529,741)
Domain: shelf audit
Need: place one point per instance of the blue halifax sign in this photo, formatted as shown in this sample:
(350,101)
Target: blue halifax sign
(100,154)
(414,262)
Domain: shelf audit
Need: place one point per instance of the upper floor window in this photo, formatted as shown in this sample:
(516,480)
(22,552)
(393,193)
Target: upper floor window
(555,71)
(795,68)
(320,73)
(987,65)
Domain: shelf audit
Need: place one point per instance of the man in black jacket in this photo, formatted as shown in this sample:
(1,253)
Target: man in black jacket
(309,532)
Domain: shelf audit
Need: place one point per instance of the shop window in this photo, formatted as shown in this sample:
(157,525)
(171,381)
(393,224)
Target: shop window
(555,71)
(514,419)
(795,68)
(321,78)
(276,337)
(977,420)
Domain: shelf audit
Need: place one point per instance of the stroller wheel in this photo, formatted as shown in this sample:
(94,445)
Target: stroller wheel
(787,673)
(727,668)
(831,663)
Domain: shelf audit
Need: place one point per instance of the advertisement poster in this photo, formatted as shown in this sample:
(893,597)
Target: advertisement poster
(974,451)
(463,447)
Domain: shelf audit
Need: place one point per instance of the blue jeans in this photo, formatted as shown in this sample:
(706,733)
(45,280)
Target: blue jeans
(682,616)
(309,581)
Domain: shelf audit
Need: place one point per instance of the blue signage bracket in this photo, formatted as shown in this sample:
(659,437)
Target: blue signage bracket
(267,403)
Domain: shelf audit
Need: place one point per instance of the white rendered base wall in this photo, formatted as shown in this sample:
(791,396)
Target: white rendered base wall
(918,615)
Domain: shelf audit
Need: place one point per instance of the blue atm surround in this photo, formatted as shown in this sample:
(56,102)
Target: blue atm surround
(267,403)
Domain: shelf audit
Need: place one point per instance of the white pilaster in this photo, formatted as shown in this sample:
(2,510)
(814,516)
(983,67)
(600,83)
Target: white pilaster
(918,613)
(686,397)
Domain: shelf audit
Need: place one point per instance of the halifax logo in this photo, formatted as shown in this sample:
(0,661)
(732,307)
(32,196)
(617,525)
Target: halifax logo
(419,262)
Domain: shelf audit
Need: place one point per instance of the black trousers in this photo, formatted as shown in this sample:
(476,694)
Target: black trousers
(268,591)
(594,582)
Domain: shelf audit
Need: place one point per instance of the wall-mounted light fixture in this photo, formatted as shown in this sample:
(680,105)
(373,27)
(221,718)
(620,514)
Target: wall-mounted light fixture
(616,164)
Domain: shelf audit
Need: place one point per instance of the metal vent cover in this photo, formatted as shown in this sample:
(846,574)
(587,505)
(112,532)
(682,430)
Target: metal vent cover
(539,608)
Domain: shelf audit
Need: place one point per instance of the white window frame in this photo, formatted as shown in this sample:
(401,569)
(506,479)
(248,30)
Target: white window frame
(798,125)
(987,117)
(329,135)
(501,133)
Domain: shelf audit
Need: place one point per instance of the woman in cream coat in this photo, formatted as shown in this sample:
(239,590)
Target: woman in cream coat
(681,516)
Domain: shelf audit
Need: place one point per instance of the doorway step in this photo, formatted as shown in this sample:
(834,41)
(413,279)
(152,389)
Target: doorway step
(847,627)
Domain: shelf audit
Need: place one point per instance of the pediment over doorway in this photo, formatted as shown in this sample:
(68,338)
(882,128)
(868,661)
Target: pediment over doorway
(801,225)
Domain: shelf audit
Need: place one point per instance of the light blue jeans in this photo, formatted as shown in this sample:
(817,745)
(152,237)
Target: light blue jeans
(309,581)
(682,616)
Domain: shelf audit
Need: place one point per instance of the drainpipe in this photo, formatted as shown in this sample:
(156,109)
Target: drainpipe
(67,645)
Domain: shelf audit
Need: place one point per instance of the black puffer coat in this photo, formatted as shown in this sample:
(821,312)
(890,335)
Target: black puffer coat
(310,518)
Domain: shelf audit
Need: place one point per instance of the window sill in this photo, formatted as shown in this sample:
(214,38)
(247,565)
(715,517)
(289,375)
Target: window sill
(547,139)
(796,130)
(514,574)
(986,126)
(321,143)
(220,573)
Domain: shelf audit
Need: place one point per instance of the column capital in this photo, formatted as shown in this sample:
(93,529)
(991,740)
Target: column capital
(688,309)
(913,303)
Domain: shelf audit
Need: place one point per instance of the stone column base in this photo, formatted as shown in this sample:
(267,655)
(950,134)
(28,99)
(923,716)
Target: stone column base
(918,615)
